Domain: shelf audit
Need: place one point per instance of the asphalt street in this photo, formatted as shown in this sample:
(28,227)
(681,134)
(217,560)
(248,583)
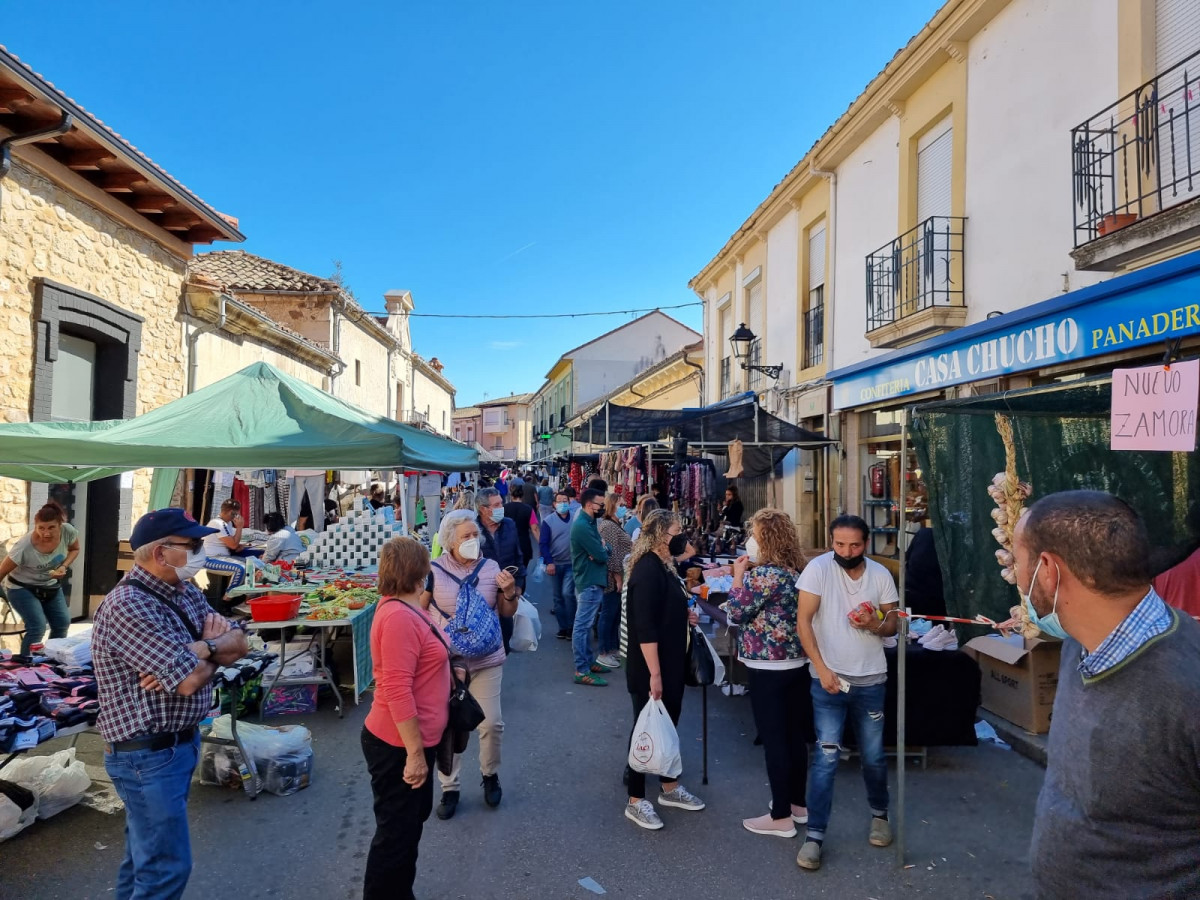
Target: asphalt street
(969,816)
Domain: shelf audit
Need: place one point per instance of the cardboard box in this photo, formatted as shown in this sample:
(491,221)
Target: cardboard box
(1020,678)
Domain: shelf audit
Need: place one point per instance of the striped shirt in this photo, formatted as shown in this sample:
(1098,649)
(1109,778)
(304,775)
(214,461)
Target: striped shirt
(1149,618)
(136,633)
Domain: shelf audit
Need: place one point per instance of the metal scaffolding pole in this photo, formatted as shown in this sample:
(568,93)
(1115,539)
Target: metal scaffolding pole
(901,641)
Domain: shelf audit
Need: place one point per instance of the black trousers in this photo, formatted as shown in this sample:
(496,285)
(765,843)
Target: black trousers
(400,814)
(782,708)
(673,701)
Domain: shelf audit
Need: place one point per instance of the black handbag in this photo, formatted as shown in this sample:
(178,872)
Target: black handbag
(701,667)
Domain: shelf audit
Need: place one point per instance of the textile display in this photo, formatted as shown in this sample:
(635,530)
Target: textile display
(352,543)
(314,486)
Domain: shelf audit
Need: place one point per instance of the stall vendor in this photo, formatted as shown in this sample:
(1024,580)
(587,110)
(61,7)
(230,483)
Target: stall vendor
(223,546)
(34,569)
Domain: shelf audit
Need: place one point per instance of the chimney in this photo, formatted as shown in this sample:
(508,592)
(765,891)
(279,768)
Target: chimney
(436,364)
(398,302)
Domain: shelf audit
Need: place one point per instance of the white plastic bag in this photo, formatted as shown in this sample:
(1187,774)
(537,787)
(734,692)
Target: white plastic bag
(283,756)
(527,628)
(58,780)
(263,742)
(13,819)
(654,748)
(718,664)
(539,572)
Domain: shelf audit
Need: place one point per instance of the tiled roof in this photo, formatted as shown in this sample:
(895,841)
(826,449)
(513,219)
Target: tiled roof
(237,270)
(466,412)
(16,64)
(506,401)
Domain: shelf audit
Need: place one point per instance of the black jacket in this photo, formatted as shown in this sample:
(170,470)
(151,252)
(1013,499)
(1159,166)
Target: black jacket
(657,613)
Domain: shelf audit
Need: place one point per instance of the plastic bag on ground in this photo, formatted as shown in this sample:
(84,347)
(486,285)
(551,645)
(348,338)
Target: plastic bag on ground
(262,741)
(283,756)
(13,819)
(527,628)
(59,780)
(654,748)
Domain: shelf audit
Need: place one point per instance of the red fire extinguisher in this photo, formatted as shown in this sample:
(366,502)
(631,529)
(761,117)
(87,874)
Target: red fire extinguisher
(878,473)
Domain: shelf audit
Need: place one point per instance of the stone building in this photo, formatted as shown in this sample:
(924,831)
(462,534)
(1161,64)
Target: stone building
(94,244)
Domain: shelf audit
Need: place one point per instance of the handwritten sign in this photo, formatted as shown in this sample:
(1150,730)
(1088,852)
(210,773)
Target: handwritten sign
(1154,408)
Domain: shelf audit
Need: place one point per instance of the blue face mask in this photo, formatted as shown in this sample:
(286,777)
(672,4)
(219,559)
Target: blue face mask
(622,512)
(1049,624)
(563,508)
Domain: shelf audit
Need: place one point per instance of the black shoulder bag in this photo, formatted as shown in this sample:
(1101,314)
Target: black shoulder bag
(171,605)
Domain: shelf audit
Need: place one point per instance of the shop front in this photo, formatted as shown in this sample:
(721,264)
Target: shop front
(1125,321)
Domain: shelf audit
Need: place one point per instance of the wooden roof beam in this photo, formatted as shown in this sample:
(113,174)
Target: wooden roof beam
(180,220)
(202,234)
(121,182)
(152,203)
(87,160)
(14,99)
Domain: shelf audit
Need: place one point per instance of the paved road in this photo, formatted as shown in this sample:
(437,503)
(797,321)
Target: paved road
(969,818)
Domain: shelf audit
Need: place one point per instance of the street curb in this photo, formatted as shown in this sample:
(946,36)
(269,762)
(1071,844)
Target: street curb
(1031,746)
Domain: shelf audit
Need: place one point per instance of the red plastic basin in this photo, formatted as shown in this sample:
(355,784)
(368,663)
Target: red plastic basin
(275,608)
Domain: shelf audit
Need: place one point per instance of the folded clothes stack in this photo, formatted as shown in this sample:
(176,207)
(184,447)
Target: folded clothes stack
(39,696)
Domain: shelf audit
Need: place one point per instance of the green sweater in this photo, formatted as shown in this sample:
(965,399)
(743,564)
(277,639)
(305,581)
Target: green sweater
(589,559)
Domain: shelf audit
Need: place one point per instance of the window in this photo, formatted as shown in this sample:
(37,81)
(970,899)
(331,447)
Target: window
(724,348)
(470,434)
(726,377)
(399,398)
(1176,33)
(756,320)
(358,373)
(814,306)
(458,434)
(934,165)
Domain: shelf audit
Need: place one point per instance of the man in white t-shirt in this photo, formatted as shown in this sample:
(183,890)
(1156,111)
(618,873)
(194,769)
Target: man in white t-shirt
(844,641)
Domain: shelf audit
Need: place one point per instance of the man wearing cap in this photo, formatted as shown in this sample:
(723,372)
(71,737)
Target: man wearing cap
(156,646)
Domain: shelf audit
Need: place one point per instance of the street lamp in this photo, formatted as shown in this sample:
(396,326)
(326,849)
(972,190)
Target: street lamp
(742,340)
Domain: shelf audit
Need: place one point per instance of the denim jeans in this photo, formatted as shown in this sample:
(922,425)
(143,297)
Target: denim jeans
(586,610)
(37,615)
(154,784)
(864,707)
(562,584)
(610,623)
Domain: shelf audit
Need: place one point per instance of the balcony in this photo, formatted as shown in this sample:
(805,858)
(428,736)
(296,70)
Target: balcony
(814,335)
(417,419)
(915,284)
(754,358)
(726,377)
(1136,173)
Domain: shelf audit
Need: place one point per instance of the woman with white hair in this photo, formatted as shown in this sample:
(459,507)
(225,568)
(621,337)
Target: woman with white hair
(462,561)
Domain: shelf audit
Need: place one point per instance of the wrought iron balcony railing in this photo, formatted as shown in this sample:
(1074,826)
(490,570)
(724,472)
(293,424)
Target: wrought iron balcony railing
(919,270)
(1139,156)
(814,335)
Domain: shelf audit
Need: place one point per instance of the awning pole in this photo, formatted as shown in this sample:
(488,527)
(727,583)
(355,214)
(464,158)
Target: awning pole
(901,642)
(607,433)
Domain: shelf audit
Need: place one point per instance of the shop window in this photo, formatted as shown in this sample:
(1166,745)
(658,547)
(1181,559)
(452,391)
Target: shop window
(893,493)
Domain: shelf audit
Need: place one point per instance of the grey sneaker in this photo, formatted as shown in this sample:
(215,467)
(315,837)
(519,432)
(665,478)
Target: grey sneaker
(881,832)
(681,797)
(809,856)
(609,661)
(643,814)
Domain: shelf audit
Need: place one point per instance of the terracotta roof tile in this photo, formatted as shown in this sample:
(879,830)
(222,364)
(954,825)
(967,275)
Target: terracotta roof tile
(237,270)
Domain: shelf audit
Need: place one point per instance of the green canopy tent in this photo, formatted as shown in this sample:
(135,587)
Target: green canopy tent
(258,417)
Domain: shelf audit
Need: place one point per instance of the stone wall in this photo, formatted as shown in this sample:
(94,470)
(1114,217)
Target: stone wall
(48,232)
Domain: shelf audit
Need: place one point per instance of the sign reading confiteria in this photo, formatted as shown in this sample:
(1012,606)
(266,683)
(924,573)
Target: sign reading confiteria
(1120,319)
(1154,407)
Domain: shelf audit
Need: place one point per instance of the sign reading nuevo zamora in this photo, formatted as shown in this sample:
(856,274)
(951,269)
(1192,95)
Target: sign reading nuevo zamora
(1154,407)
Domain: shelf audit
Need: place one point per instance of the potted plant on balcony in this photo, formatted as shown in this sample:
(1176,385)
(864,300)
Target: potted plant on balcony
(1114,222)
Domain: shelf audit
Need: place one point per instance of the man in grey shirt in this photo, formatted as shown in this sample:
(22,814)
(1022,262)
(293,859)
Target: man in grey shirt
(1119,811)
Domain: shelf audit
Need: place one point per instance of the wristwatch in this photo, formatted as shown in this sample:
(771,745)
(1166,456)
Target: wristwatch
(212,649)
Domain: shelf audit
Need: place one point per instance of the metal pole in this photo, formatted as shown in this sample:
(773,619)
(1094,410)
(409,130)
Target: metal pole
(607,433)
(901,643)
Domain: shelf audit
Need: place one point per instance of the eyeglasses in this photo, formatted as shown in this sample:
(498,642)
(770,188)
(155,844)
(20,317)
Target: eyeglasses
(193,545)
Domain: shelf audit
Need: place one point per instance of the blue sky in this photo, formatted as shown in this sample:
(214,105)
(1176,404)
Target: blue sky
(492,158)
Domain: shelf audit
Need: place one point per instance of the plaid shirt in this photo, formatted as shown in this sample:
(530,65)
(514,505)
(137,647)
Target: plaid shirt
(135,633)
(1149,619)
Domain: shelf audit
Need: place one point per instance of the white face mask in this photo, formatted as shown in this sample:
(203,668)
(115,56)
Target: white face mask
(195,562)
(752,550)
(469,549)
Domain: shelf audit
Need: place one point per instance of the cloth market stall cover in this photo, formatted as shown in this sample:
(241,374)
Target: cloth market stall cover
(1061,435)
(253,418)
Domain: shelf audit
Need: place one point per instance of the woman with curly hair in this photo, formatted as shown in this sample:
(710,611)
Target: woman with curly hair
(764,602)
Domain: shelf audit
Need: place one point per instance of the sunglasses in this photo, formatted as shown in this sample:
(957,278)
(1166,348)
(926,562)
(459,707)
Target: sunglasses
(192,545)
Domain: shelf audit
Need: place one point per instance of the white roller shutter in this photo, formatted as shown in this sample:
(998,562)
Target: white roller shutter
(757,315)
(816,258)
(935,160)
(726,328)
(1176,32)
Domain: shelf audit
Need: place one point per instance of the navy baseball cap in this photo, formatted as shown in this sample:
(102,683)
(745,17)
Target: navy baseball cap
(162,523)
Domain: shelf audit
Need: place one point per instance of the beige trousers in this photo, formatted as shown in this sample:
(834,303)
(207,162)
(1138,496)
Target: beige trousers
(485,687)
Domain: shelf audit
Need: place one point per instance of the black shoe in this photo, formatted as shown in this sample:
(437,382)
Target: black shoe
(491,790)
(448,805)
(563,635)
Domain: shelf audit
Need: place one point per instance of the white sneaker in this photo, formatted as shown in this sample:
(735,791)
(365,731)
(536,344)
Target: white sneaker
(643,814)
(933,634)
(680,797)
(609,661)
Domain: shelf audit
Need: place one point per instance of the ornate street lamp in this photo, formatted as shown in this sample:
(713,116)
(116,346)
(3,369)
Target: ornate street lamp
(742,339)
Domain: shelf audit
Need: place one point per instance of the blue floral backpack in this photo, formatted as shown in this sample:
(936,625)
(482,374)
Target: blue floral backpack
(474,629)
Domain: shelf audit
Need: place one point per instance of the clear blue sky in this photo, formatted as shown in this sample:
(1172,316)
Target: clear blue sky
(491,157)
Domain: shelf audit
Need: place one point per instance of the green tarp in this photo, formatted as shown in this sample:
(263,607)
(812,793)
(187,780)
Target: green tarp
(256,418)
(1061,434)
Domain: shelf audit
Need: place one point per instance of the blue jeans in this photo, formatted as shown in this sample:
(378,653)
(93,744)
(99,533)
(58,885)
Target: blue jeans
(589,600)
(610,623)
(864,706)
(37,615)
(562,586)
(154,787)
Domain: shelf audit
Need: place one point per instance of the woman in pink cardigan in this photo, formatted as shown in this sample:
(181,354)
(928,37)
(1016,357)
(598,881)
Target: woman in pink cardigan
(407,717)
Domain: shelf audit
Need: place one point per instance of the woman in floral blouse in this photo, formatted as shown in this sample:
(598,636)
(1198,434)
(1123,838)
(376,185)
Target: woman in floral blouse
(763,602)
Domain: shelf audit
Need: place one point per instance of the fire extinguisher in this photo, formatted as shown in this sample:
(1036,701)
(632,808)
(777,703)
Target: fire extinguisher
(878,473)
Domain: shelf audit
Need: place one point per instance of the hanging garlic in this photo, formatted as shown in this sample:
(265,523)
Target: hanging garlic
(1009,575)
(1001,536)
(1000,516)
(1005,558)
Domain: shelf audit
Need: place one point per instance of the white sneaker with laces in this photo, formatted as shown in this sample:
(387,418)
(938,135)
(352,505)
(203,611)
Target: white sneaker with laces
(643,814)
(609,661)
(682,798)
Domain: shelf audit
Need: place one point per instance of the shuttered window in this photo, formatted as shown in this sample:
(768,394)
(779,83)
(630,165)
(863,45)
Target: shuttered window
(934,167)
(756,316)
(1176,37)
(724,348)
(816,258)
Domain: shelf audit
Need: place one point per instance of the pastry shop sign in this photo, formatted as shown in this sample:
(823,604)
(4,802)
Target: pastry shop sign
(1154,407)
